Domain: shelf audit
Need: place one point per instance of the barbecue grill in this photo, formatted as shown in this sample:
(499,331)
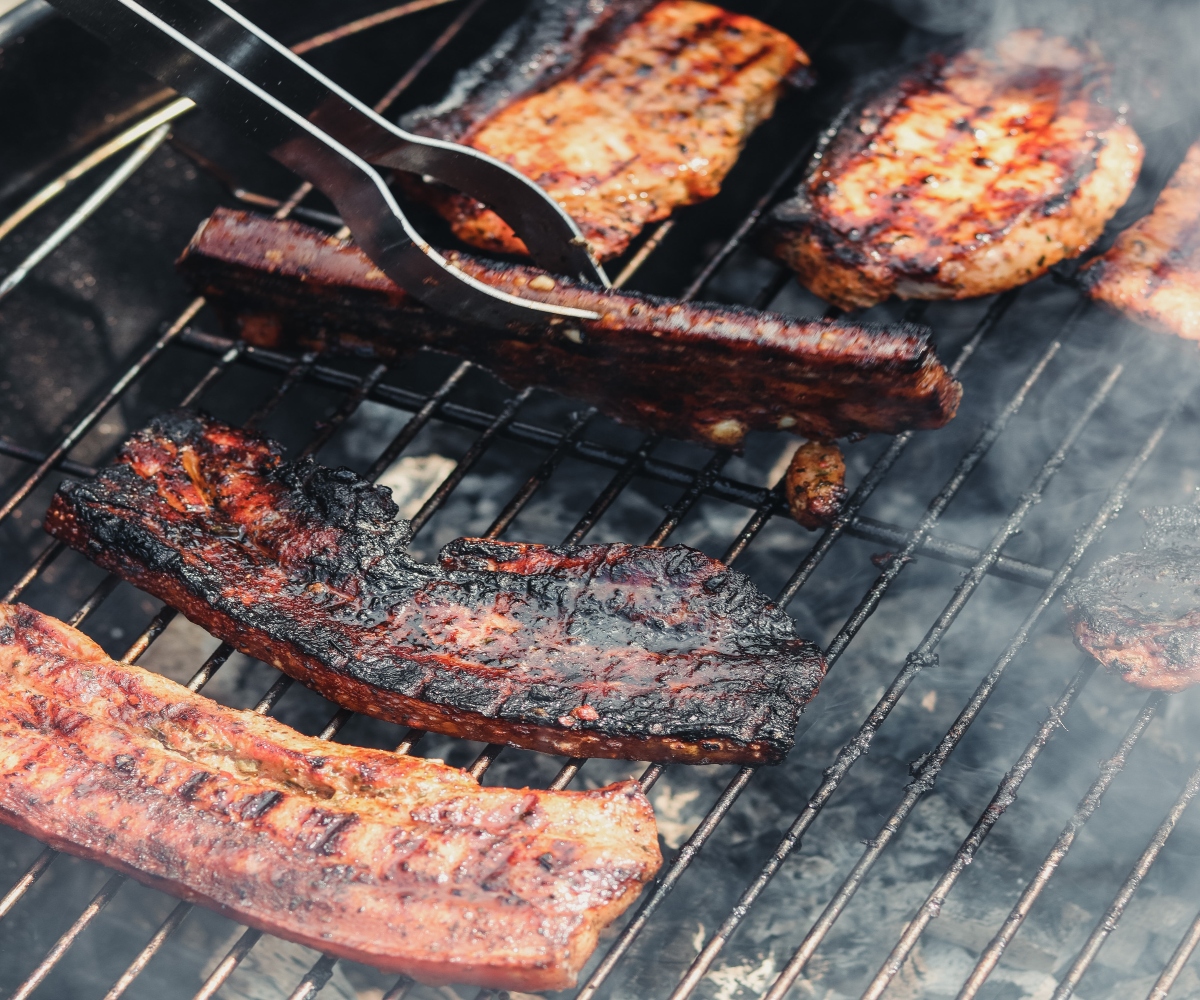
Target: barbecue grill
(1020,825)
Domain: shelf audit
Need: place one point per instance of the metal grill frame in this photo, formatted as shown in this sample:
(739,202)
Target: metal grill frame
(708,480)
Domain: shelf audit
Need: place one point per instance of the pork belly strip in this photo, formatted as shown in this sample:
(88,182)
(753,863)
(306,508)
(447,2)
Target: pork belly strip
(1152,272)
(968,175)
(594,651)
(698,372)
(648,118)
(1138,613)
(402,863)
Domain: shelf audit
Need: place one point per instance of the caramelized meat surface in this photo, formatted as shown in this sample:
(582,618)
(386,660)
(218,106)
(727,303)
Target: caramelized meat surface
(648,119)
(815,484)
(1152,272)
(970,175)
(595,651)
(1138,613)
(702,373)
(402,863)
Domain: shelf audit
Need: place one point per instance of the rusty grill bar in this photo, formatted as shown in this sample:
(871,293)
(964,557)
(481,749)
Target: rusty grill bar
(707,480)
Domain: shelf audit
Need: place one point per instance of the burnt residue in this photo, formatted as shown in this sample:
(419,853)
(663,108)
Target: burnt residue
(604,650)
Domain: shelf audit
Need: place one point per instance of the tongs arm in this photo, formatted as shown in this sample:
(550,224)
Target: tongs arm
(230,67)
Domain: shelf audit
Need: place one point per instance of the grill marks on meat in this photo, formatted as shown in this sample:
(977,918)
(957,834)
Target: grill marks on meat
(971,175)
(1152,272)
(596,651)
(1138,613)
(402,863)
(648,119)
(701,373)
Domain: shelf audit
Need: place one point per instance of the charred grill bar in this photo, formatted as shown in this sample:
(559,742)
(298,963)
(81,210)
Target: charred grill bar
(693,483)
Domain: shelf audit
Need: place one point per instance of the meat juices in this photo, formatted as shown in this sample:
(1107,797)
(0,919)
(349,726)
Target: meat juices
(696,371)
(595,651)
(649,118)
(1138,613)
(1152,272)
(398,862)
(968,176)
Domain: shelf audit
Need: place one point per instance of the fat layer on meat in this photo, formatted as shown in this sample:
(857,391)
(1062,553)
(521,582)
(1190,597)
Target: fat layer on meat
(968,176)
(593,651)
(402,863)
(1152,272)
(648,120)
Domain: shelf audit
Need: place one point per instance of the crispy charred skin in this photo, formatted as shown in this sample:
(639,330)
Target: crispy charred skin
(698,372)
(1152,272)
(970,175)
(402,863)
(647,118)
(596,651)
(816,484)
(1138,613)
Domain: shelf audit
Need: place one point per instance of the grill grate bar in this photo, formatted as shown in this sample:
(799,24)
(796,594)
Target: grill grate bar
(325,429)
(1179,960)
(214,373)
(1007,792)
(1108,923)
(44,559)
(625,475)
(33,457)
(1109,769)
(418,420)
(699,486)
(925,769)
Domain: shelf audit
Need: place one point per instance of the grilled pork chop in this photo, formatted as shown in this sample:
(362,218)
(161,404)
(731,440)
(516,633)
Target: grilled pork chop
(702,373)
(595,651)
(970,175)
(1152,272)
(402,863)
(649,113)
(1138,613)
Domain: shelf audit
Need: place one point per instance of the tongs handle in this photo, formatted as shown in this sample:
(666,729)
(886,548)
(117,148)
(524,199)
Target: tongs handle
(230,67)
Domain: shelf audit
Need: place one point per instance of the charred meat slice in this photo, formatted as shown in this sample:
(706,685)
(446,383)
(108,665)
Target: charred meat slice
(1152,272)
(970,175)
(815,484)
(699,372)
(1138,613)
(645,119)
(402,863)
(595,651)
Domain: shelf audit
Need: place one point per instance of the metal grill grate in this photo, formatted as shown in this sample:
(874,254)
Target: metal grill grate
(1088,390)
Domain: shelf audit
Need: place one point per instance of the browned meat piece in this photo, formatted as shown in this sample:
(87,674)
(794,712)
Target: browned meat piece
(698,372)
(816,484)
(595,651)
(402,863)
(1138,613)
(1152,272)
(649,118)
(969,176)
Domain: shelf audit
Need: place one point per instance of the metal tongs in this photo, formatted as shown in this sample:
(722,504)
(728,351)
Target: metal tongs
(232,68)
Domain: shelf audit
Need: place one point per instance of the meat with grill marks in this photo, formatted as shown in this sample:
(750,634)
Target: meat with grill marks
(402,863)
(967,176)
(622,110)
(1152,272)
(1138,613)
(592,651)
(698,372)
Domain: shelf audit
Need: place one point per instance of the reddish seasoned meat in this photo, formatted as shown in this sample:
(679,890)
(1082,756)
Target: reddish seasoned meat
(595,651)
(1138,613)
(402,863)
(698,372)
(1152,272)
(650,117)
(968,176)
(815,484)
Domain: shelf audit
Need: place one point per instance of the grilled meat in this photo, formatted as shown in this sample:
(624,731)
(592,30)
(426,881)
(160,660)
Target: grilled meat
(1138,613)
(702,373)
(1152,272)
(402,863)
(626,119)
(815,484)
(970,175)
(595,651)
